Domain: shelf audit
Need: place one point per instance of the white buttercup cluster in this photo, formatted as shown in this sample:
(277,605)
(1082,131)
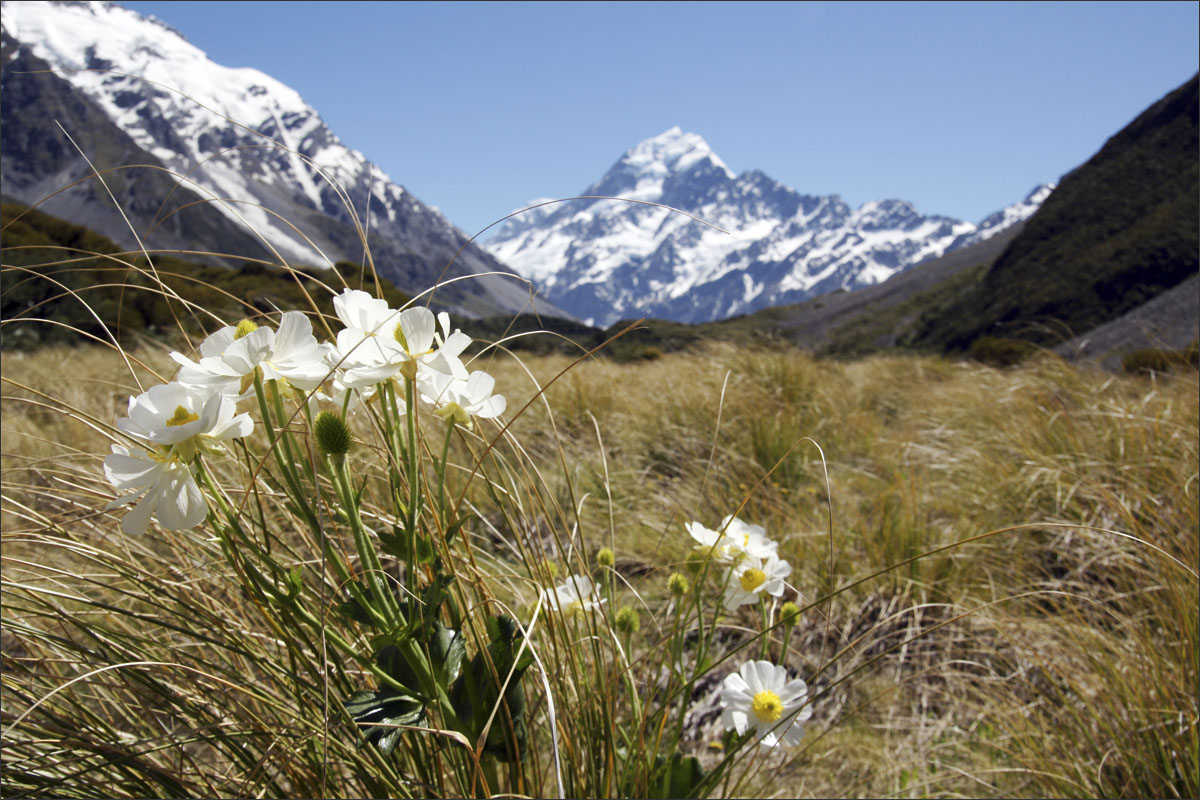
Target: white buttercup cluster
(380,343)
(172,424)
(760,696)
(751,561)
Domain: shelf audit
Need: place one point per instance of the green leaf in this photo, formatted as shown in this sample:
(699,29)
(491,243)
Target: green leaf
(391,660)
(681,778)
(424,550)
(476,692)
(448,648)
(375,711)
(295,582)
(395,543)
(456,527)
(426,607)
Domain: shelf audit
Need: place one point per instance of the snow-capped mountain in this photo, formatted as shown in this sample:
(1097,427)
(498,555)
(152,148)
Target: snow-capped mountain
(249,146)
(603,260)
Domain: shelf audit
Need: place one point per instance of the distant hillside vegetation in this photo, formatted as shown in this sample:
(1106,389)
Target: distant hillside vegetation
(72,277)
(1118,231)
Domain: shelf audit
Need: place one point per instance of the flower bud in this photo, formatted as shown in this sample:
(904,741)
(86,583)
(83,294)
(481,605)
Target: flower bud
(605,557)
(789,613)
(628,620)
(695,561)
(551,568)
(677,584)
(244,328)
(333,435)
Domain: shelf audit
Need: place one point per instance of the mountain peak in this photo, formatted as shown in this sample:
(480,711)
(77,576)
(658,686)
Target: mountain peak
(672,151)
(645,168)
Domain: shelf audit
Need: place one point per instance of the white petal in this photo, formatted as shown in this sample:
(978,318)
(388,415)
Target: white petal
(492,407)
(182,505)
(366,376)
(750,673)
(455,344)
(216,343)
(131,472)
(248,352)
(419,326)
(137,520)
(294,335)
(237,427)
(479,386)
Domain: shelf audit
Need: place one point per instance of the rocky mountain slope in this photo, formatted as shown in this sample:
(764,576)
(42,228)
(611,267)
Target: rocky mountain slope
(240,142)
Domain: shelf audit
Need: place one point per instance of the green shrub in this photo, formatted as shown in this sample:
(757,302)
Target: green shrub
(1000,352)
(1153,359)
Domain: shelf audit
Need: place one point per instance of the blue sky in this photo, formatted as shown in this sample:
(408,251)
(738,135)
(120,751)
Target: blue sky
(960,108)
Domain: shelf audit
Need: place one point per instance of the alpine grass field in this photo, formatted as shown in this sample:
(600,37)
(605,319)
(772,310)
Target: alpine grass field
(992,572)
(287,533)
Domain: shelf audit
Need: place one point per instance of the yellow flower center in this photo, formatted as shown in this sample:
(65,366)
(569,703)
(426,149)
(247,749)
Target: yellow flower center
(181,417)
(752,578)
(767,706)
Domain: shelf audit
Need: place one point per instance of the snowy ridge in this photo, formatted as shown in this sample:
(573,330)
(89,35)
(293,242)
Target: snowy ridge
(605,260)
(167,78)
(253,146)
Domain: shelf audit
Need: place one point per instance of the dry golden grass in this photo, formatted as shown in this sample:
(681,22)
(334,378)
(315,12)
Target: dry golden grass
(1049,649)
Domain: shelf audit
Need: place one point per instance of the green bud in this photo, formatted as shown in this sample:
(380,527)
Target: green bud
(551,568)
(695,560)
(333,435)
(678,584)
(244,328)
(628,620)
(605,557)
(789,613)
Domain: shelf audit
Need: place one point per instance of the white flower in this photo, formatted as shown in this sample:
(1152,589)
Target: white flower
(759,694)
(229,360)
(174,422)
(162,486)
(748,539)
(457,399)
(367,347)
(577,594)
(174,414)
(709,541)
(750,579)
(733,541)
(294,354)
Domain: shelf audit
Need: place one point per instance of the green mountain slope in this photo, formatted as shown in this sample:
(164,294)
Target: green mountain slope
(60,278)
(1118,231)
